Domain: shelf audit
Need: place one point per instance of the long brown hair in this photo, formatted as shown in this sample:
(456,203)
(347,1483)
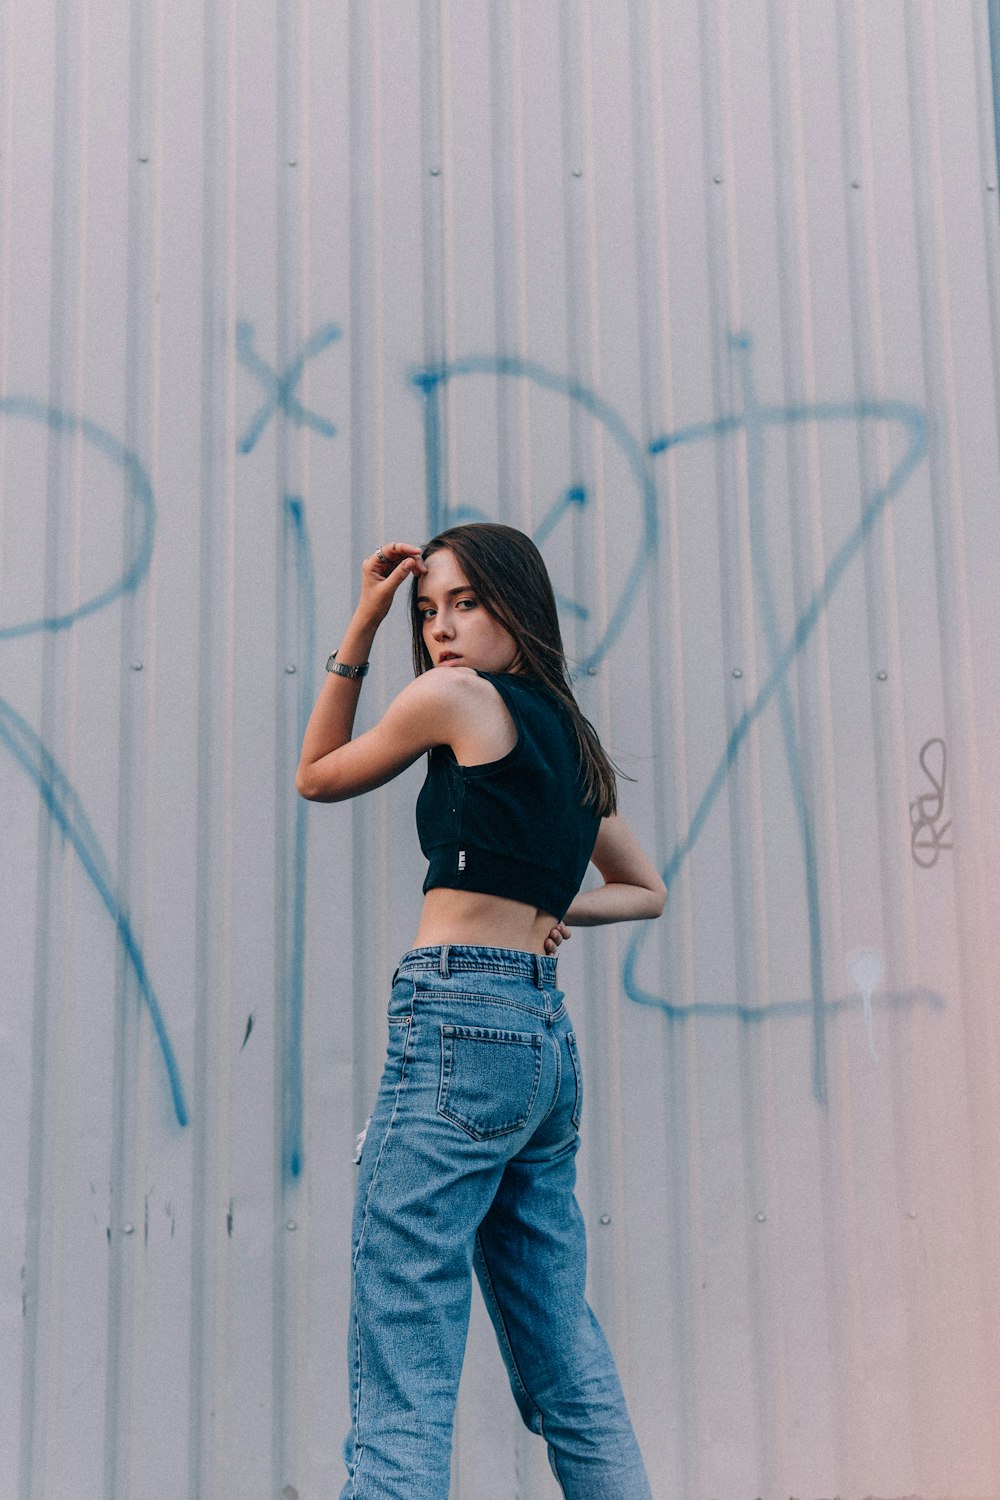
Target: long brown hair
(508,576)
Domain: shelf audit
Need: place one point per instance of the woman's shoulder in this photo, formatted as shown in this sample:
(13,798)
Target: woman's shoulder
(468,698)
(451,681)
(448,691)
(469,712)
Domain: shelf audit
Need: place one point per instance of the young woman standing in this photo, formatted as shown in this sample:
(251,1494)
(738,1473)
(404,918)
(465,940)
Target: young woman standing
(469,1157)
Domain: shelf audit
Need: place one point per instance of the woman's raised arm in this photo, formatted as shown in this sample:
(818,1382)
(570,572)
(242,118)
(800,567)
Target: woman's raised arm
(325,772)
(427,712)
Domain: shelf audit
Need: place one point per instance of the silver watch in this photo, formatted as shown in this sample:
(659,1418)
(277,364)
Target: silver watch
(343,670)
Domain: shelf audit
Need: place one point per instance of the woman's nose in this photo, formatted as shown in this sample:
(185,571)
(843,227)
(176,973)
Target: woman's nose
(441,629)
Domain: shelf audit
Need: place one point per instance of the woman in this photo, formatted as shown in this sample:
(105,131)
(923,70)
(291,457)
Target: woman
(469,1155)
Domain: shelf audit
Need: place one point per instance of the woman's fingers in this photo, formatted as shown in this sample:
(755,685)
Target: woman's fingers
(393,562)
(387,558)
(384,571)
(395,573)
(555,937)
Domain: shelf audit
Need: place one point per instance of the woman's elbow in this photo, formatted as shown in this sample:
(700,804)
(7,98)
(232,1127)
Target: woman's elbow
(658,899)
(308,786)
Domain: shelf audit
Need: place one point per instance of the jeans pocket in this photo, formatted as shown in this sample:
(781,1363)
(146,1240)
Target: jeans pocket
(489,1079)
(578,1078)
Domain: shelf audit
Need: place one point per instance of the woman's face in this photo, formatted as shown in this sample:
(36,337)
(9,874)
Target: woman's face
(458,630)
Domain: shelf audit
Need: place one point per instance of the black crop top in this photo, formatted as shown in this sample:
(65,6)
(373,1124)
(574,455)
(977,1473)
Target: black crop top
(516,826)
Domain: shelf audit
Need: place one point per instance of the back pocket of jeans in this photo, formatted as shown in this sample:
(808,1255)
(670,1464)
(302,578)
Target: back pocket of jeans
(489,1079)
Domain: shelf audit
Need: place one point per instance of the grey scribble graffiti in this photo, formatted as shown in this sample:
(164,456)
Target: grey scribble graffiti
(927,832)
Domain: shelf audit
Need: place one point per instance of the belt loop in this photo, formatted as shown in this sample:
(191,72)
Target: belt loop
(443,961)
(539,972)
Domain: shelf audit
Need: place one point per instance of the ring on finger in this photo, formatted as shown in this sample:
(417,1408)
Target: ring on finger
(381,555)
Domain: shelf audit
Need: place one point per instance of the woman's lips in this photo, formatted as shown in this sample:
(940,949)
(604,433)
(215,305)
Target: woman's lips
(448,656)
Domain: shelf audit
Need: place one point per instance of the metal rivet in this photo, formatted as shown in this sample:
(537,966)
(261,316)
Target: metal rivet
(991,187)
(605,1218)
(292,162)
(737,671)
(591,671)
(855,184)
(291,1224)
(128,1229)
(143,158)
(291,667)
(435,171)
(718,177)
(761,1218)
(882,676)
(137,666)
(911,1213)
(577,172)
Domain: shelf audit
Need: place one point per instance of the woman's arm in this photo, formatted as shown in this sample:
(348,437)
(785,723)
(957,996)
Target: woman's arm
(332,766)
(331,722)
(427,712)
(632,886)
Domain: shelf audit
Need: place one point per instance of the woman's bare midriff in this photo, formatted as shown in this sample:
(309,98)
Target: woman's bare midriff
(489,921)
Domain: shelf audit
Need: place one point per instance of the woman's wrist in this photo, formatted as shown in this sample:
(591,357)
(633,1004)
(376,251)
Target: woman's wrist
(357,640)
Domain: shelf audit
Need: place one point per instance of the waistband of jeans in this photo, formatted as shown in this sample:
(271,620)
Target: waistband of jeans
(456,958)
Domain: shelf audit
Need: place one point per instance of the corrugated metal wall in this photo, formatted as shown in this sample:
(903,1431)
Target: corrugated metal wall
(706,297)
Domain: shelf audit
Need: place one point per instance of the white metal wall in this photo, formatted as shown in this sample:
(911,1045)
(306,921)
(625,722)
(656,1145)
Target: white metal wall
(705,295)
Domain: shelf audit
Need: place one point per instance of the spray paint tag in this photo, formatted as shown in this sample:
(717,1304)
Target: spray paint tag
(461,859)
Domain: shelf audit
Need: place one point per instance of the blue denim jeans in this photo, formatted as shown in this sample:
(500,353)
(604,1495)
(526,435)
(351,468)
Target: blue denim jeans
(469,1163)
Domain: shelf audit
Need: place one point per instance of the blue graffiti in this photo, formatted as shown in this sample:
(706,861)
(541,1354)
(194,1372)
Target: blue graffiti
(299,563)
(754,421)
(66,811)
(752,1015)
(576,495)
(140,495)
(759,552)
(280,389)
(36,760)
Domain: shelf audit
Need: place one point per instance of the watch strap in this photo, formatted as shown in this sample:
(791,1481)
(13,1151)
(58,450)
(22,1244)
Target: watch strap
(343,670)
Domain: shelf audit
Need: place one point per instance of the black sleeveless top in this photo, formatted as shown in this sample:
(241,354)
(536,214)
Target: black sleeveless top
(513,827)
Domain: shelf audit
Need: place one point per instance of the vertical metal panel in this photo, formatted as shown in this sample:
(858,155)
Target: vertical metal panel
(705,297)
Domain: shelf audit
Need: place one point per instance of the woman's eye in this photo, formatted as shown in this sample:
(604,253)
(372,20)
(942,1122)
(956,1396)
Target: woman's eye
(470,602)
(425,614)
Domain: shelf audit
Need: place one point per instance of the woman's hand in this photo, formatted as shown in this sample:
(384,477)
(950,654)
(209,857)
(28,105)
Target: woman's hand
(381,575)
(555,937)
